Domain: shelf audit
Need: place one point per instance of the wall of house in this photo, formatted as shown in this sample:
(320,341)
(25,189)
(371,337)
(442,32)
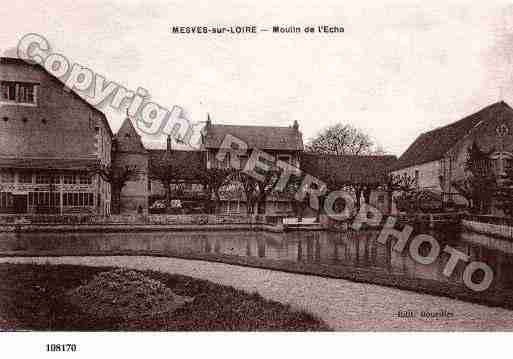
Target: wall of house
(428,175)
(291,157)
(58,125)
(485,135)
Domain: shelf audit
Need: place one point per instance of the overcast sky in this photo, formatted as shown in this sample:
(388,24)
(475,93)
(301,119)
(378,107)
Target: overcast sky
(398,70)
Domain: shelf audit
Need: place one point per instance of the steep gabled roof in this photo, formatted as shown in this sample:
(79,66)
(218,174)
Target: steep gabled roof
(261,137)
(347,169)
(127,138)
(190,162)
(433,145)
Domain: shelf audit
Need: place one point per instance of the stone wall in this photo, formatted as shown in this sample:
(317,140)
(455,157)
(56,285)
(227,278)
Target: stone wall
(132,219)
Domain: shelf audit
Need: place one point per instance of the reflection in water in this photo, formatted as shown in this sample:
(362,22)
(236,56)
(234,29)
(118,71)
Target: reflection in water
(355,249)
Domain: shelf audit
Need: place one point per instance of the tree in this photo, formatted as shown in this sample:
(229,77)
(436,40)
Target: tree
(504,193)
(168,170)
(480,183)
(397,183)
(117,177)
(213,179)
(342,139)
(250,187)
(291,190)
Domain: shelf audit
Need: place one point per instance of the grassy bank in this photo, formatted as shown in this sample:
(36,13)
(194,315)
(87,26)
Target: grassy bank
(32,297)
(496,297)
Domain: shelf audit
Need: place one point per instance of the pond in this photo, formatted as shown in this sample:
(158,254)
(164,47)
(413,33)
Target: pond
(335,250)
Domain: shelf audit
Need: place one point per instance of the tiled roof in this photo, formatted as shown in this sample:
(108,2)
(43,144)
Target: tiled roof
(49,164)
(346,169)
(261,137)
(192,162)
(127,139)
(433,145)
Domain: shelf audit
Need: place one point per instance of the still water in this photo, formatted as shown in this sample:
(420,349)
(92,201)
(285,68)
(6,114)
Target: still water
(334,249)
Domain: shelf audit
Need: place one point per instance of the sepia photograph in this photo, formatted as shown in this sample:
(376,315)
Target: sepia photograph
(290,169)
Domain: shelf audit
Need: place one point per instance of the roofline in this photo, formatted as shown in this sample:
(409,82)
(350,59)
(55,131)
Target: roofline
(350,156)
(17,61)
(393,169)
(438,158)
(220,124)
(502,102)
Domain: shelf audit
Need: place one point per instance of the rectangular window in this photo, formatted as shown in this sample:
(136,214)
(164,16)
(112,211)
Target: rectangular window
(21,92)
(77,199)
(69,179)
(26,93)
(25,177)
(85,179)
(44,199)
(8,91)
(6,177)
(43,178)
(5,200)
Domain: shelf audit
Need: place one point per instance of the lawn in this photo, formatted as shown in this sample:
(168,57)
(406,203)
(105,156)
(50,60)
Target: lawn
(34,297)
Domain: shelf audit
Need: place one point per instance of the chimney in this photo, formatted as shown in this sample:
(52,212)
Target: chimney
(209,121)
(169,146)
(295,126)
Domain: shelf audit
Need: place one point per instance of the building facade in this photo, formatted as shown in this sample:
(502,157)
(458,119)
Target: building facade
(279,143)
(58,154)
(437,158)
(53,145)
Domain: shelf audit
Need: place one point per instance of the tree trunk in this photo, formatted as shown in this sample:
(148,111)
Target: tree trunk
(116,194)
(366,195)
(217,199)
(358,193)
(168,196)
(390,195)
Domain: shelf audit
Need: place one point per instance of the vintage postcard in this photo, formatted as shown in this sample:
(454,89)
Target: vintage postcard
(241,166)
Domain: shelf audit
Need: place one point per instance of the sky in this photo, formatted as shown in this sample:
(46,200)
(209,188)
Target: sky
(399,69)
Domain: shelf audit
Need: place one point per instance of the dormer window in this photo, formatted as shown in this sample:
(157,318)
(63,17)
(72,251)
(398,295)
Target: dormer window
(18,92)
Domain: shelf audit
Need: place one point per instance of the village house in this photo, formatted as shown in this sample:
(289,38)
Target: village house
(282,143)
(53,145)
(364,175)
(436,159)
(58,154)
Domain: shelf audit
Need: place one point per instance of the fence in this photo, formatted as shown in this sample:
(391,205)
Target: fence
(489,225)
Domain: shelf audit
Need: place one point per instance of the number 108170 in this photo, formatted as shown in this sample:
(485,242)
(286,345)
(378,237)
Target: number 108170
(61,347)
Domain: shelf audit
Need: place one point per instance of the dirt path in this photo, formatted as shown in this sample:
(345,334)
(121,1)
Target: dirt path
(342,304)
